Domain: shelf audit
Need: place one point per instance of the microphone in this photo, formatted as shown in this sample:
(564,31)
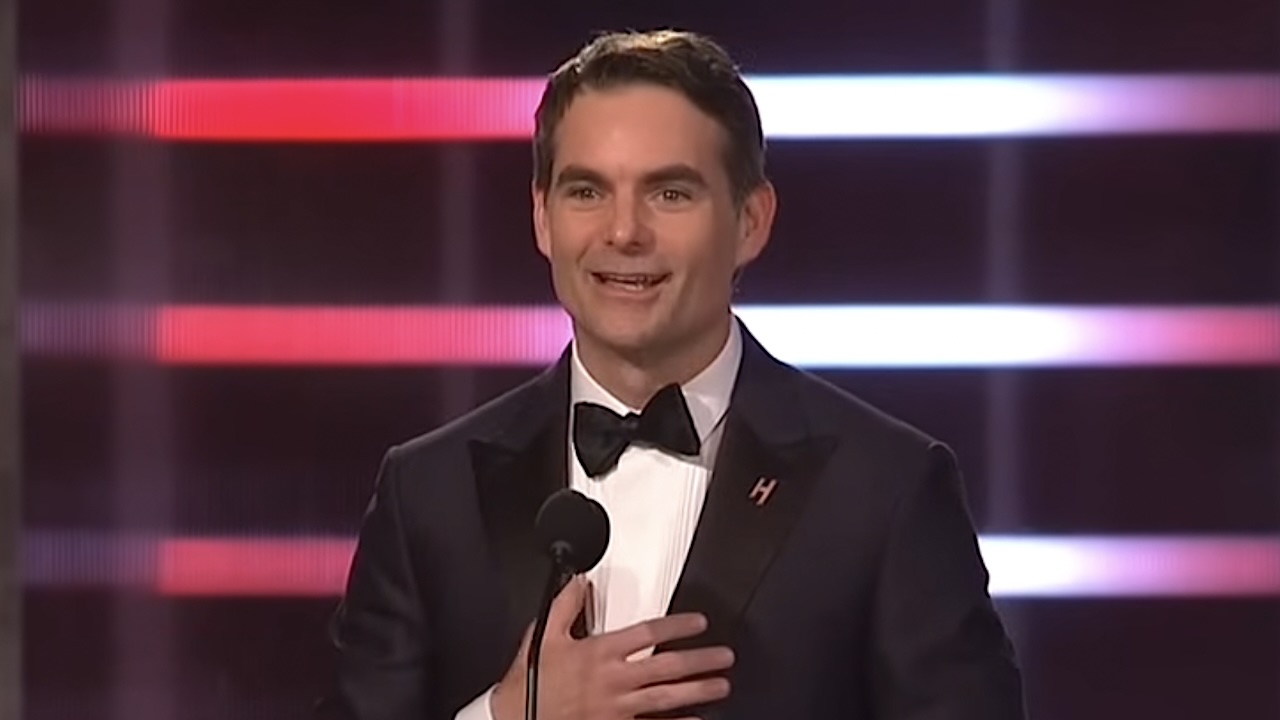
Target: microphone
(573,530)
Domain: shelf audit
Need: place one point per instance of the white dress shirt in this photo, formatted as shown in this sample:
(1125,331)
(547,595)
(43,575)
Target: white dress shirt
(653,499)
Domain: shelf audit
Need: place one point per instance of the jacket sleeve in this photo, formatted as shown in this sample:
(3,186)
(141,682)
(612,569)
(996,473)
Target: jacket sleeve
(939,650)
(379,630)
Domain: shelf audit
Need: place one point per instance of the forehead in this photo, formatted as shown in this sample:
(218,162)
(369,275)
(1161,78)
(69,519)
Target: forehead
(636,127)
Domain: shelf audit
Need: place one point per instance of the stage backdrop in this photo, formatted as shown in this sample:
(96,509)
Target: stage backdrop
(263,241)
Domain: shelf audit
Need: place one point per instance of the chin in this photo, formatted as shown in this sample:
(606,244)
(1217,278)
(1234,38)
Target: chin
(626,341)
(620,335)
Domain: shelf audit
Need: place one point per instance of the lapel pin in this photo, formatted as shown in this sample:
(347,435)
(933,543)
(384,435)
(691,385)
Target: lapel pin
(763,490)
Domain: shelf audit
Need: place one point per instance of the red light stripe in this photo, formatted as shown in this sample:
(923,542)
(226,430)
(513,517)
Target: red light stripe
(285,110)
(380,110)
(194,335)
(203,567)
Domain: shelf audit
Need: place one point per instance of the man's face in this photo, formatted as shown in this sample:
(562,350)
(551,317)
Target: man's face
(639,222)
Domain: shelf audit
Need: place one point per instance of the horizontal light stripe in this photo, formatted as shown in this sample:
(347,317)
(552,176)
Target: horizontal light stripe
(1020,566)
(1013,105)
(832,107)
(812,336)
(1133,566)
(204,567)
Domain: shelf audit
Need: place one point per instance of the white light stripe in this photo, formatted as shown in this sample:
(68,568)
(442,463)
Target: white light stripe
(925,106)
(850,336)
(1015,336)
(1099,566)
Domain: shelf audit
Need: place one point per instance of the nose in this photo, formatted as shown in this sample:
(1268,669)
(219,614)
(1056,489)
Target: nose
(628,227)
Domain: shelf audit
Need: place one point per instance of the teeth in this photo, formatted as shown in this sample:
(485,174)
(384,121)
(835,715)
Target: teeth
(635,282)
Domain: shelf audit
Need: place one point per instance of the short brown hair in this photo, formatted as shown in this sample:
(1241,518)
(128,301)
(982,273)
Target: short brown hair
(687,62)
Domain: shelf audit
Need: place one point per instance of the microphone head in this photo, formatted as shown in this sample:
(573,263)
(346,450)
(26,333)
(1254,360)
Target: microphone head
(574,528)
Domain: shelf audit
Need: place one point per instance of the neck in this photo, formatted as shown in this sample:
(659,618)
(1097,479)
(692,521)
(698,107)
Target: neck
(636,376)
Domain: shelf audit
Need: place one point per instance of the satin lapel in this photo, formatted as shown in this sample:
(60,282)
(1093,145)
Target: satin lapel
(516,470)
(767,465)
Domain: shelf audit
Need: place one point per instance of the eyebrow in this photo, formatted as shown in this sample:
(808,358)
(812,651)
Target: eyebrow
(576,173)
(678,172)
(675,173)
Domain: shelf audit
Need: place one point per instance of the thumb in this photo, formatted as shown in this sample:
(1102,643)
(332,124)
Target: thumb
(567,605)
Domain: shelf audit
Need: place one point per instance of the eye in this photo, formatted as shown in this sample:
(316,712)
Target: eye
(582,192)
(674,195)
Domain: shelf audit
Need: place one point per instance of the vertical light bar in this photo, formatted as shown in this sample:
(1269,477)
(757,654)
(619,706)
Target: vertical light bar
(456,271)
(1273,99)
(143,675)
(1003,264)
(11,629)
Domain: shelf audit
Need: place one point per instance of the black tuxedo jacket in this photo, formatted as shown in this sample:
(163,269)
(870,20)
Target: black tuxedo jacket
(854,589)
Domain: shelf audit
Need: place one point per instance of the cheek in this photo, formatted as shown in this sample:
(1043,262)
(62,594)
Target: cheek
(708,279)
(562,263)
(569,236)
(557,242)
(715,258)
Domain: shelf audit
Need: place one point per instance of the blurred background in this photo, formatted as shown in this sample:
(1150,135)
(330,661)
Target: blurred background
(262,240)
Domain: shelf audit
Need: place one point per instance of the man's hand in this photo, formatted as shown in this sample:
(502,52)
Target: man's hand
(592,679)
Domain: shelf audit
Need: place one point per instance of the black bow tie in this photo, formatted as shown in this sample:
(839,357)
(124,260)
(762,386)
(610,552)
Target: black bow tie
(600,435)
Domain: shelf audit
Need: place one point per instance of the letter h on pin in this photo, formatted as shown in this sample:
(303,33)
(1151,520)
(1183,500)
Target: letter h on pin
(763,490)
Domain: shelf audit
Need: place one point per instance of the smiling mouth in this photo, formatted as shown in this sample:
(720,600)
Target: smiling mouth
(635,282)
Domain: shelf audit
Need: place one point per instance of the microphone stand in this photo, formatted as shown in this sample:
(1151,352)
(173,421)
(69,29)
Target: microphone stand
(557,578)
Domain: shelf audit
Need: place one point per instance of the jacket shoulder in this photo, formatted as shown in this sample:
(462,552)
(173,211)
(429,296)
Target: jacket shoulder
(893,458)
(838,412)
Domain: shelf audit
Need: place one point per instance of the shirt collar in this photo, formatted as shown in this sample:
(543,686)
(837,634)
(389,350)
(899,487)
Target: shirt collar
(707,394)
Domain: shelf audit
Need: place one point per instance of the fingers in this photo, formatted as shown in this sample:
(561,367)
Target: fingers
(666,667)
(661,698)
(566,606)
(651,633)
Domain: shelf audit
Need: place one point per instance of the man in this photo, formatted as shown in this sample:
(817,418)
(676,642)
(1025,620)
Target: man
(779,549)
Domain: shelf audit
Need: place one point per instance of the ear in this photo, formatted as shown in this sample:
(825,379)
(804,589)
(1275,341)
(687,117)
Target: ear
(755,223)
(541,232)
